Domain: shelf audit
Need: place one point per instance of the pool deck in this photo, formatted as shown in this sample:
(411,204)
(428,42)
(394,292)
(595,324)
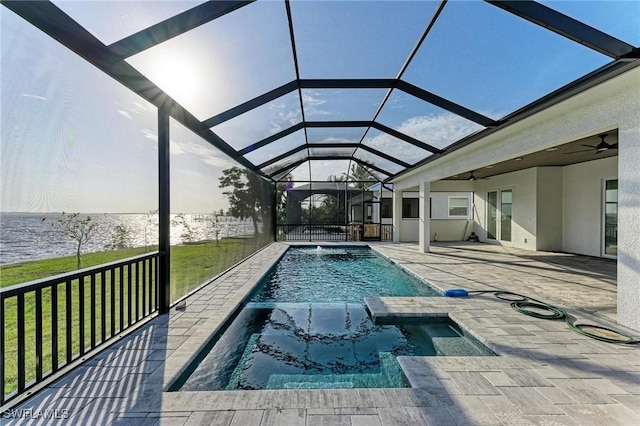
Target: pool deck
(544,374)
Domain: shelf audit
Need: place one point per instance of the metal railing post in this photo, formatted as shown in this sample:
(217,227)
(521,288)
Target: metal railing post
(164,211)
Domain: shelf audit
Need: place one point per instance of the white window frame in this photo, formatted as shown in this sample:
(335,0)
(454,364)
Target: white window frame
(466,215)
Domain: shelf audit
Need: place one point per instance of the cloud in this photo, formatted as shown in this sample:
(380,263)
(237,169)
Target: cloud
(221,162)
(150,134)
(29,95)
(312,99)
(143,107)
(204,152)
(312,102)
(439,131)
(124,113)
(126,109)
(336,140)
(284,117)
(284,113)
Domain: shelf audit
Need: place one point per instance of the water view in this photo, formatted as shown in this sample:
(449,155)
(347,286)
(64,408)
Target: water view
(32,236)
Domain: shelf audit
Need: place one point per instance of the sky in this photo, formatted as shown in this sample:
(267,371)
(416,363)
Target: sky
(73,139)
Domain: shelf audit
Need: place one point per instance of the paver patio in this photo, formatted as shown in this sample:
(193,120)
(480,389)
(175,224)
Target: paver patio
(544,374)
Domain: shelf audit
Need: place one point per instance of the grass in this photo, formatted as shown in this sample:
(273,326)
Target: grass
(18,273)
(191,266)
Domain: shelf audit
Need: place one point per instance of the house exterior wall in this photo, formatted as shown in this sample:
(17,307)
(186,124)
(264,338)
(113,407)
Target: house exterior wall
(409,229)
(625,108)
(549,211)
(450,229)
(523,185)
(582,205)
(443,227)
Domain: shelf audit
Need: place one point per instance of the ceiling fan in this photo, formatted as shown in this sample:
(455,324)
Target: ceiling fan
(601,147)
(473,177)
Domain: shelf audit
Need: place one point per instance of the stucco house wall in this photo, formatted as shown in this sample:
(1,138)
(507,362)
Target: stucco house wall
(582,186)
(523,185)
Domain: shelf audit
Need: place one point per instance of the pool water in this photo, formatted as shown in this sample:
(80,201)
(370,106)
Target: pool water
(327,274)
(306,326)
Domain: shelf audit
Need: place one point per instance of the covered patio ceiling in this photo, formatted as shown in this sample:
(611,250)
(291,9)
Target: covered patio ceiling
(306,89)
(578,151)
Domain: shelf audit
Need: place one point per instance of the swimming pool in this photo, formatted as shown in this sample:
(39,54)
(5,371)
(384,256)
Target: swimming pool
(306,326)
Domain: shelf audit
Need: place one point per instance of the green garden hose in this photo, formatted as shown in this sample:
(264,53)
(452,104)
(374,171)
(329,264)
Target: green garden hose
(538,309)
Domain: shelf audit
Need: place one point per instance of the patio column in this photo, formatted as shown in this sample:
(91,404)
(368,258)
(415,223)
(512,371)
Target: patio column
(629,223)
(423,230)
(396,214)
(164,211)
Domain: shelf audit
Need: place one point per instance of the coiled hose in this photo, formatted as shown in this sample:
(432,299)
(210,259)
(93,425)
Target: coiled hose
(538,309)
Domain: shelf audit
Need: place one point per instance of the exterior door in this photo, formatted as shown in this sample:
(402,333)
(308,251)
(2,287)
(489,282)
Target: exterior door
(506,203)
(499,215)
(371,229)
(610,219)
(492,215)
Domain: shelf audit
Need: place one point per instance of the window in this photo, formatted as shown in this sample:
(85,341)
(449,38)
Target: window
(386,208)
(459,207)
(410,208)
(611,218)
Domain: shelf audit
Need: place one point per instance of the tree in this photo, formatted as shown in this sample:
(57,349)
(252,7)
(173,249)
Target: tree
(216,225)
(120,238)
(341,178)
(149,222)
(359,174)
(188,233)
(77,228)
(282,187)
(249,195)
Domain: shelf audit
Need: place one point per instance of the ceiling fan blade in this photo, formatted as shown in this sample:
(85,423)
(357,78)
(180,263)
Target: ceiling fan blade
(575,152)
(613,146)
(590,146)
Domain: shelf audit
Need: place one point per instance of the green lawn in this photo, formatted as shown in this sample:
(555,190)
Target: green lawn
(191,266)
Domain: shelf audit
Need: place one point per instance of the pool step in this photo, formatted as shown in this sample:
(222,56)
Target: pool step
(456,346)
(390,376)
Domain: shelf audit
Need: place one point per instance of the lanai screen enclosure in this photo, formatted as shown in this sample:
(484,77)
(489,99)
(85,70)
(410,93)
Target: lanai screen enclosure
(293,94)
(307,91)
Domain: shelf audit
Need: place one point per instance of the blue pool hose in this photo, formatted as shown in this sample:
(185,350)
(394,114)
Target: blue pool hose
(522,304)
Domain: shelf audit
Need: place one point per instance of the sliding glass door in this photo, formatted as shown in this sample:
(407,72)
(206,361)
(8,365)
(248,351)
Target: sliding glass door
(492,215)
(610,219)
(506,202)
(499,214)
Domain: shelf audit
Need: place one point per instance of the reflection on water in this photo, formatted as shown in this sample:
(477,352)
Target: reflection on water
(291,344)
(32,236)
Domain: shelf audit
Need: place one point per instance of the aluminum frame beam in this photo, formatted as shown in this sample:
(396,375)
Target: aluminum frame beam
(446,104)
(251,104)
(174,26)
(364,164)
(566,26)
(333,145)
(272,138)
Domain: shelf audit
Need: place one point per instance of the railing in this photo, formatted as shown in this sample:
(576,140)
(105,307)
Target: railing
(303,232)
(335,232)
(47,324)
(386,233)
